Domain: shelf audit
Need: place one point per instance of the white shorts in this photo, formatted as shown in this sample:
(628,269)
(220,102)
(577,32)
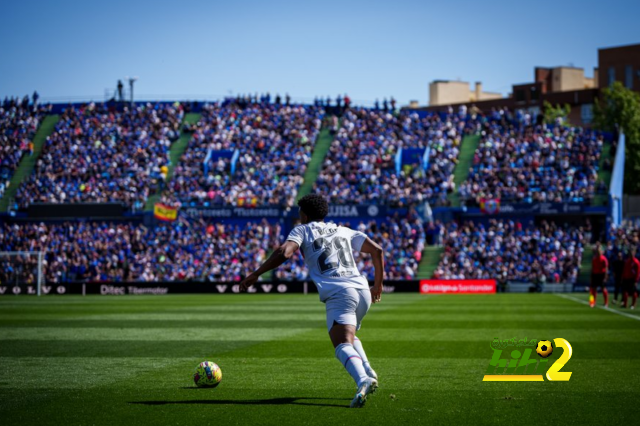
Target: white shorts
(348,306)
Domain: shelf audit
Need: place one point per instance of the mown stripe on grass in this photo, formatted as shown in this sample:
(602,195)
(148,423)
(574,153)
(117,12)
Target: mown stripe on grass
(152,334)
(447,349)
(427,374)
(367,333)
(319,315)
(370,322)
(75,372)
(420,336)
(615,311)
(282,348)
(122,348)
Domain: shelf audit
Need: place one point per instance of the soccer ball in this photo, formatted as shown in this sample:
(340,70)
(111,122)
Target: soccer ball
(207,375)
(544,348)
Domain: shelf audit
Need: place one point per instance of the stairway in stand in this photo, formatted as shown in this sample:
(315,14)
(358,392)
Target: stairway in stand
(28,163)
(468,148)
(584,276)
(323,143)
(429,262)
(175,153)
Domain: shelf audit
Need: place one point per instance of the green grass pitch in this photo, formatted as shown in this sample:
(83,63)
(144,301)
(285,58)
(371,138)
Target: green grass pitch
(128,361)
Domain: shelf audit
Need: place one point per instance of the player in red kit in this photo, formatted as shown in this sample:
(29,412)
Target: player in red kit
(630,277)
(599,270)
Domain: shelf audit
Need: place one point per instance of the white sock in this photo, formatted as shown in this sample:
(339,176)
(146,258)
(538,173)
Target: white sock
(350,359)
(357,345)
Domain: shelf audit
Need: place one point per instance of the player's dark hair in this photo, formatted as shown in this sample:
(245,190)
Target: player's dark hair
(314,206)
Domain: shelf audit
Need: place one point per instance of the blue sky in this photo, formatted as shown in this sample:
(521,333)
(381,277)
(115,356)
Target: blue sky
(368,49)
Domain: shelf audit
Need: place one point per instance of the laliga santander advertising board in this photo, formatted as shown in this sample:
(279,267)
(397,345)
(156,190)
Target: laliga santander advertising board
(457,286)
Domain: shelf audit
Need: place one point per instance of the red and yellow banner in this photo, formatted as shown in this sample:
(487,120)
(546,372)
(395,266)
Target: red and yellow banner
(164,212)
(247,201)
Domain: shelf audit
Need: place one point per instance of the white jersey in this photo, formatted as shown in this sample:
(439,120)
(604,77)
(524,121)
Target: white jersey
(328,253)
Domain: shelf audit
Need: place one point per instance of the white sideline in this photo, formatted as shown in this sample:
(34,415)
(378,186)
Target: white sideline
(584,302)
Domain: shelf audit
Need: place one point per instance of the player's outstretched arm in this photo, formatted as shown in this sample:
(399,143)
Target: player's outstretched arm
(377,257)
(277,258)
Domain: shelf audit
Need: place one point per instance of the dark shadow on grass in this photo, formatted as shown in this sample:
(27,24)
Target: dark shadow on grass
(271,401)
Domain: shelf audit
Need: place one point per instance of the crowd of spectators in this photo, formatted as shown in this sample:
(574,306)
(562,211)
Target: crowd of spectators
(621,239)
(360,166)
(19,268)
(401,237)
(507,250)
(112,251)
(518,161)
(19,121)
(184,250)
(100,155)
(274,143)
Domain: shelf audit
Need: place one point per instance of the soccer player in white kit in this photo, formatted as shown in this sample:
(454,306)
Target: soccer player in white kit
(327,250)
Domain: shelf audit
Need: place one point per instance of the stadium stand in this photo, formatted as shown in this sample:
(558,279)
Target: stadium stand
(185,250)
(116,252)
(361,166)
(101,155)
(518,162)
(272,143)
(19,121)
(507,249)
(254,153)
